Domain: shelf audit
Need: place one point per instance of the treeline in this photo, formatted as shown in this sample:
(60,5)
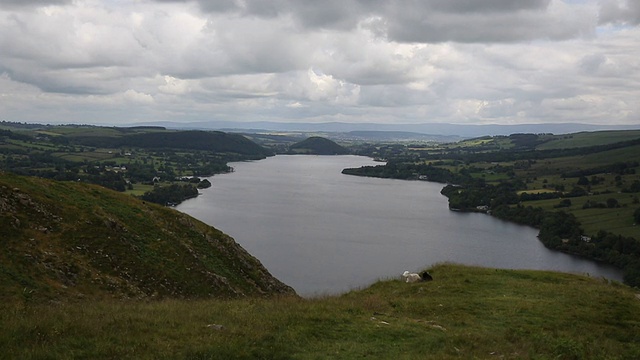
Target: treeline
(562,231)
(527,141)
(170,195)
(174,194)
(474,195)
(11,135)
(620,168)
(409,170)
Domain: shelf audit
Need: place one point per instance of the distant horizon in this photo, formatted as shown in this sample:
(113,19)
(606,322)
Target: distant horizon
(439,129)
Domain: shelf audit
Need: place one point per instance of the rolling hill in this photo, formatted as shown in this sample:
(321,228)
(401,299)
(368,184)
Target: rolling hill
(189,140)
(316,145)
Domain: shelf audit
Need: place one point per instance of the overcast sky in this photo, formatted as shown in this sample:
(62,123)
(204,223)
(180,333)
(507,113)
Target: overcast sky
(413,61)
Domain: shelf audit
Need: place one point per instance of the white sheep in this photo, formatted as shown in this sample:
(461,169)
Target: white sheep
(411,277)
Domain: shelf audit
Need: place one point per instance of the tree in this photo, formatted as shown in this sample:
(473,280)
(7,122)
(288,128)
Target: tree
(576,192)
(563,203)
(636,216)
(583,181)
(612,203)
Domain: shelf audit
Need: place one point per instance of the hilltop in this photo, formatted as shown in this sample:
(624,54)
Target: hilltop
(466,312)
(68,240)
(316,145)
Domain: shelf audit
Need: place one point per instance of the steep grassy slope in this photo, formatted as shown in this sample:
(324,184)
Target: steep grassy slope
(466,312)
(64,240)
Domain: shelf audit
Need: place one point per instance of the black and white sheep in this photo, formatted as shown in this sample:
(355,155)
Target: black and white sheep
(413,277)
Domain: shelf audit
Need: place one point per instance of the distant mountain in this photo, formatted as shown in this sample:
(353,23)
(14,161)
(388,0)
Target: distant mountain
(405,136)
(317,146)
(68,240)
(466,131)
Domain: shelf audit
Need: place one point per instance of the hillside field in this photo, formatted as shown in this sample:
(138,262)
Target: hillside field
(466,312)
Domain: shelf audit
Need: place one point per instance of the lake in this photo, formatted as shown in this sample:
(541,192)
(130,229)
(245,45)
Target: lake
(323,232)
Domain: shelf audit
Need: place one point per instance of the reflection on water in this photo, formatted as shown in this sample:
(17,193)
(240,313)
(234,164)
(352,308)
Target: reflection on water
(322,232)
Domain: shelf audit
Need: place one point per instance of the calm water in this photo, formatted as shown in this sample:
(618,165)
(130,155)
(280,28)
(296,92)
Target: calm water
(322,232)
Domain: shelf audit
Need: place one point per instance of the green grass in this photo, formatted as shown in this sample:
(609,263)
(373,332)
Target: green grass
(64,240)
(617,220)
(545,174)
(583,139)
(467,312)
(139,189)
(19,144)
(89,156)
(85,131)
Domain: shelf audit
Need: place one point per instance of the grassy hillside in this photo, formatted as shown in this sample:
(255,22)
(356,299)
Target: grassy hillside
(466,312)
(66,240)
(584,139)
(546,141)
(317,146)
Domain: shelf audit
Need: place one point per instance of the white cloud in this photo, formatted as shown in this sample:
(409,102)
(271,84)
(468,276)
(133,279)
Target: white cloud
(175,86)
(137,97)
(495,61)
(295,105)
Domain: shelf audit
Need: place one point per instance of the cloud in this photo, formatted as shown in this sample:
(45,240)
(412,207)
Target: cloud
(137,97)
(494,61)
(498,21)
(620,12)
(426,20)
(14,4)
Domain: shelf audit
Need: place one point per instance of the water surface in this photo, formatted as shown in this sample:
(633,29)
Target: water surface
(323,232)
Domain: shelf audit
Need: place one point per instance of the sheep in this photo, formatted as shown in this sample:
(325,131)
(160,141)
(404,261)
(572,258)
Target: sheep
(411,277)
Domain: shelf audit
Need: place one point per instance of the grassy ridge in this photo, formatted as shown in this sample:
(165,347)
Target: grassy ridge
(466,312)
(588,139)
(66,240)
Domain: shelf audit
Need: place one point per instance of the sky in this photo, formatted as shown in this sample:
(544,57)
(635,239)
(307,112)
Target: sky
(121,62)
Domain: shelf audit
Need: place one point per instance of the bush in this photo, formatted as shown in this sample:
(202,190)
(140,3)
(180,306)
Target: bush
(563,203)
(170,195)
(612,203)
